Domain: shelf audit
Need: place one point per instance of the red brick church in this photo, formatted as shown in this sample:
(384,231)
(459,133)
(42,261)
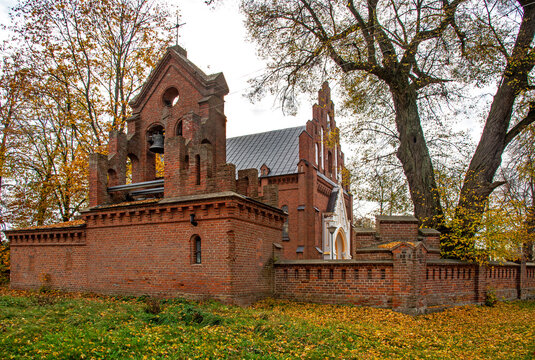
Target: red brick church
(238,219)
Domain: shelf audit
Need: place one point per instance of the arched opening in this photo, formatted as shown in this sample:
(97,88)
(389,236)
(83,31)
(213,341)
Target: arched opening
(170,97)
(336,162)
(196,249)
(205,141)
(128,170)
(317,154)
(197,170)
(179,128)
(340,245)
(132,168)
(330,162)
(155,141)
(159,166)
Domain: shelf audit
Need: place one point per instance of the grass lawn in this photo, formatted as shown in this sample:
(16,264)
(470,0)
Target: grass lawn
(74,326)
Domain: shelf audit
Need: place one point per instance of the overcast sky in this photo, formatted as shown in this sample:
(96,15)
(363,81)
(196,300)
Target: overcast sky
(216,41)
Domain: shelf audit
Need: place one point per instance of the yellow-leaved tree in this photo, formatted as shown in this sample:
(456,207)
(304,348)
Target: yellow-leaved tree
(82,61)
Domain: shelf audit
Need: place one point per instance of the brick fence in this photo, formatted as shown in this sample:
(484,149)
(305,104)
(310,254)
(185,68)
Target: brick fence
(436,283)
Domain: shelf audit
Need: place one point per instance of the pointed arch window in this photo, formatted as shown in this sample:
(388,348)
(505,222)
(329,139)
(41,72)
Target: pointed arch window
(285,232)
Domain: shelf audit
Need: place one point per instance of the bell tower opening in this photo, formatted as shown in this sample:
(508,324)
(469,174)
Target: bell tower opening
(155,140)
(170,97)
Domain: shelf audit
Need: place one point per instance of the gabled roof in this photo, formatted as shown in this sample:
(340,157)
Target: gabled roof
(278,149)
(214,83)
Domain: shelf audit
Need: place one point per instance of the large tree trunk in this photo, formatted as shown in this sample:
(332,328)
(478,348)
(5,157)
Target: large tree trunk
(478,182)
(414,156)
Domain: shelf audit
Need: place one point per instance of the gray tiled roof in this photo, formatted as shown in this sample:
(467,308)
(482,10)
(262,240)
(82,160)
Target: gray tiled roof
(278,149)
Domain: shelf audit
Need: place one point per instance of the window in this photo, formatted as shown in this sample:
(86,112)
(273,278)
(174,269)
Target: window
(197,170)
(285,236)
(196,249)
(322,161)
(179,128)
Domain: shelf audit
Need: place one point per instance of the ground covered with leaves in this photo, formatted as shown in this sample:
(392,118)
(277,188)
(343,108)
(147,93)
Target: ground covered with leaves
(75,326)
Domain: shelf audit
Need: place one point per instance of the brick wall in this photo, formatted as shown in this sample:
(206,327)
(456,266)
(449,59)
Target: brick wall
(150,249)
(51,258)
(450,284)
(386,284)
(335,282)
(528,282)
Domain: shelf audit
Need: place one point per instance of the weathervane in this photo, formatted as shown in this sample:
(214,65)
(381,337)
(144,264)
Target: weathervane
(176,26)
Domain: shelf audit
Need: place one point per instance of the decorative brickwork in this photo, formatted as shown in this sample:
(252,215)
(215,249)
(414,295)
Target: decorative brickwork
(212,229)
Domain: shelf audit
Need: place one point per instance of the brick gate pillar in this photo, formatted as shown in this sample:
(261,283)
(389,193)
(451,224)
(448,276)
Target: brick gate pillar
(481,284)
(410,262)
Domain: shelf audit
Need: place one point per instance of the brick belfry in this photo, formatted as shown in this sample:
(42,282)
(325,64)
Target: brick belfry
(185,107)
(197,232)
(189,224)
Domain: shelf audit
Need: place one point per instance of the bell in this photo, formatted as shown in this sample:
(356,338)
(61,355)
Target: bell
(156,143)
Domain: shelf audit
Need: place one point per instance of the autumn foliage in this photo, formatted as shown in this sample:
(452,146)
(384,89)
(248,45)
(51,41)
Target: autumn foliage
(67,75)
(55,325)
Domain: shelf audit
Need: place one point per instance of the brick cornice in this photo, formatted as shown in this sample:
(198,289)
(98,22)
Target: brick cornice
(42,237)
(205,207)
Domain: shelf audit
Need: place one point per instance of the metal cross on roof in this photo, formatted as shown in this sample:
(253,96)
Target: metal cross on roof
(177,26)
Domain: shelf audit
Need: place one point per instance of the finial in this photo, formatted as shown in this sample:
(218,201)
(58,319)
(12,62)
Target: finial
(177,26)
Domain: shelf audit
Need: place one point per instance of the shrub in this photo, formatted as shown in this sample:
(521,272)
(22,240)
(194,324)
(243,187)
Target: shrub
(152,306)
(192,315)
(4,262)
(490,298)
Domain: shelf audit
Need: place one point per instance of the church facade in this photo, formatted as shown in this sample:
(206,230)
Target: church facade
(177,209)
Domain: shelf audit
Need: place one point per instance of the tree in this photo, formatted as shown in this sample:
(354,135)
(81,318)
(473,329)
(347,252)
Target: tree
(85,59)
(519,189)
(414,52)
(12,93)
(519,59)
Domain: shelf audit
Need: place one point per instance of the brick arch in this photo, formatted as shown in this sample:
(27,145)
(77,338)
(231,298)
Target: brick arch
(156,125)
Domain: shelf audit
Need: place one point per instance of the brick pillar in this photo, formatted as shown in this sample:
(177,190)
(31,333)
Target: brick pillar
(175,153)
(271,195)
(409,278)
(480,284)
(226,177)
(247,183)
(98,179)
(397,228)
